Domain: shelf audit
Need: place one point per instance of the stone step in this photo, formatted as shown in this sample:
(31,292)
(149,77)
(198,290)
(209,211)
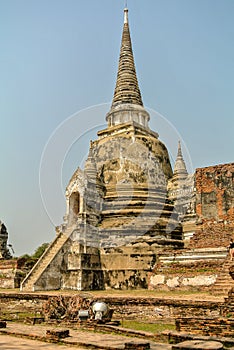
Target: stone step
(50,253)
(223,283)
(224,286)
(221,289)
(224,292)
(220,286)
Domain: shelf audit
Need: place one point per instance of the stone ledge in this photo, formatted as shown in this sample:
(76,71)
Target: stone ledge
(177,337)
(137,346)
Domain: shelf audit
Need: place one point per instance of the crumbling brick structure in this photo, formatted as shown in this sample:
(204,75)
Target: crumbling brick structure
(214,206)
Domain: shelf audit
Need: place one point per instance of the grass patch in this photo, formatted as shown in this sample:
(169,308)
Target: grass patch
(147,327)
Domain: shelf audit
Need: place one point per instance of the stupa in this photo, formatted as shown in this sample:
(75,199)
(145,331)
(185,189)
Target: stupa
(118,211)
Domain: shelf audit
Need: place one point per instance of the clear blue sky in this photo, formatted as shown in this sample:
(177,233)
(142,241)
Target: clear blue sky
(58,57)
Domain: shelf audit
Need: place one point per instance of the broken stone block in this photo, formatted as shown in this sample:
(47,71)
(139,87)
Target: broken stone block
(137,346)
(57,334)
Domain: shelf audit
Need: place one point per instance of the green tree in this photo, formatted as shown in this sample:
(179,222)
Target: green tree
(40,250)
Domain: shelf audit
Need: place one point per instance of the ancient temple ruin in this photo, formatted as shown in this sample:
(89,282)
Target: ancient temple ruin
(126,207)
(4,250)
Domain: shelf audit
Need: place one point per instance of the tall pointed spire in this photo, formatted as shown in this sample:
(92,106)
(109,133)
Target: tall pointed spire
(126,89)
(127,95)
(180,171)
(90,165)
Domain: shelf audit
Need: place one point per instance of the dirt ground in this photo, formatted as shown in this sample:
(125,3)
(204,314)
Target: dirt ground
(8,342)
(24,337)
(174,295)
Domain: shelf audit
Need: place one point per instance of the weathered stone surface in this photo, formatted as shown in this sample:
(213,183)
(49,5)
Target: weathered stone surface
(198,345)
(199,281)
(172,282)
(178,281)
(186,270)
(157,279)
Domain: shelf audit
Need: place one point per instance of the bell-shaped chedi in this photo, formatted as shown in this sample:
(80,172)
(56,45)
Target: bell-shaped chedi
(118,202)
(132,164)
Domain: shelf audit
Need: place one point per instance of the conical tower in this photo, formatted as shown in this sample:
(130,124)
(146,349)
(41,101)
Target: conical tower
(127,105)
(132,163)
(126,89)
(180,171)
(180,188)
(90,165)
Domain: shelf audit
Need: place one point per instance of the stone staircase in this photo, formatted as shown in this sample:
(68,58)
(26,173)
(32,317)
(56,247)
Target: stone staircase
(28,283)
(224,282)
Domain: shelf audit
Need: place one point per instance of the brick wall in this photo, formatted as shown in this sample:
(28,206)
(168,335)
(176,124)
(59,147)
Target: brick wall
(223,327)
(152,309)
(10,273)
(214,206)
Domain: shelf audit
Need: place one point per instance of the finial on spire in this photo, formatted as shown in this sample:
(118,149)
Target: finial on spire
(126,15)
(126,89)
(127,105)
(179,153)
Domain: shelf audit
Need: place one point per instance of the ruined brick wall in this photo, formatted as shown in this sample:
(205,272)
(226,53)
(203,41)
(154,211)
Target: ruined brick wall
(206,326)
(11,273)
(214,206)
(151,309)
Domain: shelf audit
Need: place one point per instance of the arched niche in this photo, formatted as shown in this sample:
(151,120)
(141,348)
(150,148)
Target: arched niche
(74,206)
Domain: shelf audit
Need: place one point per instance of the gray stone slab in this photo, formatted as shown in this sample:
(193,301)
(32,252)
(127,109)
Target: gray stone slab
(198,345)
